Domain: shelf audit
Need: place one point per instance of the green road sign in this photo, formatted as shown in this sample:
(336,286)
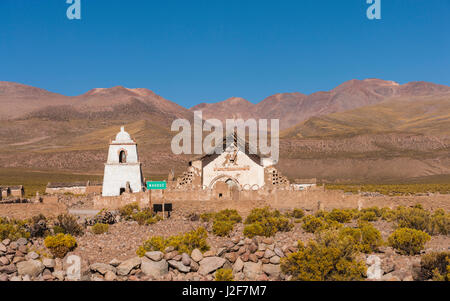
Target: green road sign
(155,185)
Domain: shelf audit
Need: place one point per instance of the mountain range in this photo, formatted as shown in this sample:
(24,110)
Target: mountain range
(362,130)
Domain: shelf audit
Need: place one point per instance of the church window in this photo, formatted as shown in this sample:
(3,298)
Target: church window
(122,157)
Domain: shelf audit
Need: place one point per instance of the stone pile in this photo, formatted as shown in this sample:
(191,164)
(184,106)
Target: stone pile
(255,259)
(250,259)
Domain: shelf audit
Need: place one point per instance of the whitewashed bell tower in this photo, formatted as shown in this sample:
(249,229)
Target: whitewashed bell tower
(123,170)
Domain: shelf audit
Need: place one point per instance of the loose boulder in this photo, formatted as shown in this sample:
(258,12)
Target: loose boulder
(30,267)
(210,264)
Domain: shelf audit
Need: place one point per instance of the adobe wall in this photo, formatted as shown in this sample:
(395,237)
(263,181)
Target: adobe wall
(97,189)
(17,193)
(63,190)
(115,202)
(310,200)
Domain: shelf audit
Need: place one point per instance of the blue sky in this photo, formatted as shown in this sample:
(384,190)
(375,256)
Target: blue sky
(209,50)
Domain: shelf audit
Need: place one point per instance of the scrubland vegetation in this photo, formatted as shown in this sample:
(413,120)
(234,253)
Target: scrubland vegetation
(183,243)
(392,189)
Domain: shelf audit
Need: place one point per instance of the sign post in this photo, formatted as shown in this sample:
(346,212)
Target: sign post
(158,185)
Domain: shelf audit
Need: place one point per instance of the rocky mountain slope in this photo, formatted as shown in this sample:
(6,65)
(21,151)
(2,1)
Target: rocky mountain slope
(369,130)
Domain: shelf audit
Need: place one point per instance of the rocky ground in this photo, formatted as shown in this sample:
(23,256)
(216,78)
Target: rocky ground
(112,256)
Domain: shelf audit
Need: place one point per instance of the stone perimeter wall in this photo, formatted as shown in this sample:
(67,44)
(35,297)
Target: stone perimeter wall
(310,200)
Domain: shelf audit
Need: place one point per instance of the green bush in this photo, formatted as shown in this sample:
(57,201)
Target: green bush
(141,216)
(127,210)
(297,213)
(58,229)
(368,216)
(420,219)
(340,215)
(408,241)
(435,266)
(153,220)
(183,243)
(312,223)
(259,229)
(207,217)
(228,215)
(12,229)
(440,222)
(260,214)
(330,258)
(69,224)
(413,218)
(387,214)
(222,228)
(371,214)
(366,236)
(224,275)
(264,222)
(223,221)
(60,244)
(100,228)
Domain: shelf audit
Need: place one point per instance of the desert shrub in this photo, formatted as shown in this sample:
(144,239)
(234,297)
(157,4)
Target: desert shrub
(340,215)
(102,217)
(222,228)
(321,213)
(153,220)
(223,221)
(183,243)
(264,222)
(408,241)
(329,258)
(392,189)
(141,216)
(413,218)
(371,214)
(58,229)
(13,229)
(224,275)
(207,217)
(127,210)
(387,214)
(440,222)
(100,228)
(69,224)
(37,226)
(435,266)
(312,223)
(60,244)
(260,214)
(368,216)
(256,229)
(366,236)
(228,215)
(297,213)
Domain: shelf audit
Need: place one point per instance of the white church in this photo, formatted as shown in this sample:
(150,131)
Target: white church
(123,171)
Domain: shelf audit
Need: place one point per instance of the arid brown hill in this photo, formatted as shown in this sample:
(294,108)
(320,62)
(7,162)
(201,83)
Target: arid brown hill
(292,108)
(363,130)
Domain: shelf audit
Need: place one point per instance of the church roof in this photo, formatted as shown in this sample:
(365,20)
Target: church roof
(123,137)
(241,144)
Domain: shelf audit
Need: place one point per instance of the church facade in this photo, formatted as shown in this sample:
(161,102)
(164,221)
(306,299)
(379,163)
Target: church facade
(123,171)
(234,165)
